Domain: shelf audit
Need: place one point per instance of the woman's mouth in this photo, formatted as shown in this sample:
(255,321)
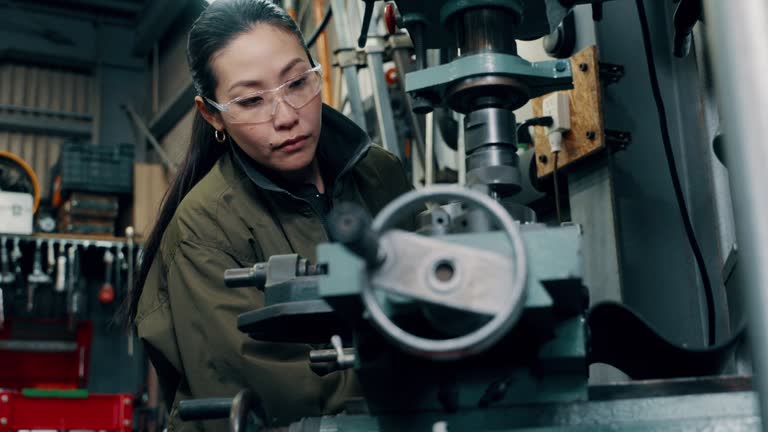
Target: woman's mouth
(292,144)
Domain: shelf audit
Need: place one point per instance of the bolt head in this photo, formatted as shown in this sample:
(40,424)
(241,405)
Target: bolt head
(127,401)
(3,421)
(560,66)
(127,422)
(4,398)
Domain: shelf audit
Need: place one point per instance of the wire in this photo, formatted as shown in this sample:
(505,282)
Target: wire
(670,156)
(319,30)
(557,189)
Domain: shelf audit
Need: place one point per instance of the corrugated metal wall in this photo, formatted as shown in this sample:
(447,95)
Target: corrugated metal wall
(45,91)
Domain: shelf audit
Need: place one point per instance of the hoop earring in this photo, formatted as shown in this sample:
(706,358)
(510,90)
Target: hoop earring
(220,136)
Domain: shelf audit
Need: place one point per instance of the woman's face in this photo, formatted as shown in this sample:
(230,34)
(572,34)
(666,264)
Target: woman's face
(262,59)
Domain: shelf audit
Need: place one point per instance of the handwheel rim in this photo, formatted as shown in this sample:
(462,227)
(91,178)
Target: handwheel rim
(487,335)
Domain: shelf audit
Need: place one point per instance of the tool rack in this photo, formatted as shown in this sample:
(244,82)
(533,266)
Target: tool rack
(44,378)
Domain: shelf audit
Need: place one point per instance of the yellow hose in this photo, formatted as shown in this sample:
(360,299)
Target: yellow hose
(30,173)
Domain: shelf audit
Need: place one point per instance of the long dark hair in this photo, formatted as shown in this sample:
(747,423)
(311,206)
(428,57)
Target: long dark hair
(217,26)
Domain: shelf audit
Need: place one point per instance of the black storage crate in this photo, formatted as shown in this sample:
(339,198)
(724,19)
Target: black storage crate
(95,168)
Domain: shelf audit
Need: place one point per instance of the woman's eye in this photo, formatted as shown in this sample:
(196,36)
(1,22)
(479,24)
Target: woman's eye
(251,102)
(298,83)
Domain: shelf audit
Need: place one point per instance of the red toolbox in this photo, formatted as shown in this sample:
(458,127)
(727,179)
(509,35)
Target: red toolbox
(65,410)
(43,380)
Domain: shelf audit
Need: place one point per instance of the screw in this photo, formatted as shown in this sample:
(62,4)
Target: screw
(560,66)
(543,159)
(4,398)
(4,421)
(127,422)
(591,135)
(583,67)
(127,401)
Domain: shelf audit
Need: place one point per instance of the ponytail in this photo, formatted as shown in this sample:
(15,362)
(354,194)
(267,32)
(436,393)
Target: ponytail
(202,155)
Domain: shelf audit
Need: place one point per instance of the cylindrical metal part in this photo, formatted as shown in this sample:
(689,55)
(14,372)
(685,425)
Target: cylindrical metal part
(490,126)
(484,30)
(738,33)
(205,409)
(255,276)
(497,167)
(491,146)
(327,355)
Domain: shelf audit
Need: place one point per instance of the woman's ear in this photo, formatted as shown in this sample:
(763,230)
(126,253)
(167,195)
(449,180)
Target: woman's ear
(213,118)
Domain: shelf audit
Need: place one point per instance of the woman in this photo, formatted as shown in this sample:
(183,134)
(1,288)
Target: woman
(266,162)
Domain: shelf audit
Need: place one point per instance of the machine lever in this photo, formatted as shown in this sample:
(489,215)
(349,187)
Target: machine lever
(350,225)
(369,4)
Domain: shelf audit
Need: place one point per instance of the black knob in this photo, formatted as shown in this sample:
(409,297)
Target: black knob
(350,225)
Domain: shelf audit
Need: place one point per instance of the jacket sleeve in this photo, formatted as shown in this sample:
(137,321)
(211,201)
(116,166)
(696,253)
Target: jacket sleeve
(218,360)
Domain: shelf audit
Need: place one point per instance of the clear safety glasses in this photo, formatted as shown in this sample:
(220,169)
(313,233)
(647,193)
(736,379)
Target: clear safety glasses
(260,106)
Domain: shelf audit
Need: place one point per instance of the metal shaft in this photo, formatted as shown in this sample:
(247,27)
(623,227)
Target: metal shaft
(350,71)
(738,34)
(381,98)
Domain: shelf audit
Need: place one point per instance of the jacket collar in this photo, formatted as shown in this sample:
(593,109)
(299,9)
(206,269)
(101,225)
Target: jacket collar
(341,146)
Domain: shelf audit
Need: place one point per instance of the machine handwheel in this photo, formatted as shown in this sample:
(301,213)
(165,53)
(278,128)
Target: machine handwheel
(514,303)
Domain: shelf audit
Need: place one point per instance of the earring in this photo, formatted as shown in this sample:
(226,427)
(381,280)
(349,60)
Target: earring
(220,136)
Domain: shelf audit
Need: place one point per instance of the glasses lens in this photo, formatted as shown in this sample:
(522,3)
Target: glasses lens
(303,89)
(258,108)
(255,109)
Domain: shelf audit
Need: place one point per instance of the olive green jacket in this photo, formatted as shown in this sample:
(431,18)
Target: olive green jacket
(236,217)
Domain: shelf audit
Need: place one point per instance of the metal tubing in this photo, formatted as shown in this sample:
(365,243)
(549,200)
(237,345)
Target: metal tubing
(350,71)
(383,104)
(401,57)
(429,162)
(738,33)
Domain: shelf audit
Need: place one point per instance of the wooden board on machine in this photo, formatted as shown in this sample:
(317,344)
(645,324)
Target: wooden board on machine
(587,134)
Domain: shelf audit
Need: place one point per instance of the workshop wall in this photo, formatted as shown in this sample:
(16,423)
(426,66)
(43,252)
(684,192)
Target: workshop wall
(65,74)
(39,95)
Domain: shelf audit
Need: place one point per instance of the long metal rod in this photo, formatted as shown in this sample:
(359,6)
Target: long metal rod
(147,133)
(429,162)
(461,154)
(381,98)
(350,71)
(401,57)
(738,34)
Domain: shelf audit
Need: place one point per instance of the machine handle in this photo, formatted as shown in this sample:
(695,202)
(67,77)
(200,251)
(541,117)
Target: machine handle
(205,409)
(255,276)
(350,225)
